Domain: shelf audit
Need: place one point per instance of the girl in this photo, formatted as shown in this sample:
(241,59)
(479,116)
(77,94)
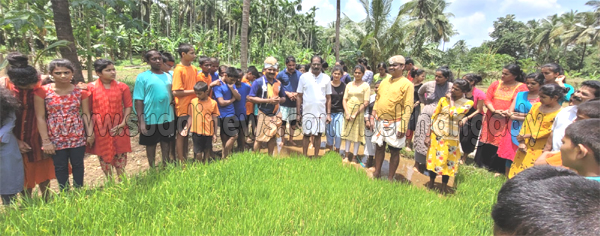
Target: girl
(444,152)
(61,127)
(498,99)
(367,74)
(554,74)
(519,109)
(12,175)
(382,69)
(469,131)
(370,130)
(429,95)
(537,127)
(111,106)
(418,77)
(356,99)
(334,127)
(345,76)
(24,81)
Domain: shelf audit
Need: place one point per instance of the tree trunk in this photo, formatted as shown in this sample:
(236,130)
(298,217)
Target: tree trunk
(64,31)
(88,45)
(244,36)
(582,56)
(337,32)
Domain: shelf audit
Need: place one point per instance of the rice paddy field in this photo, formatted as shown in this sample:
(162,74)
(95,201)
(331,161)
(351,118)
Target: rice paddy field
(254,194)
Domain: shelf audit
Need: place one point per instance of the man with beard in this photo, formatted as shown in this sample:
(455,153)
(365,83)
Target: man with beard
(266,92)
(589,90)
(313,104)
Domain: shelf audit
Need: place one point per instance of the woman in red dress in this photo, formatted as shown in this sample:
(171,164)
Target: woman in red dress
(24,81)
(111,106)
(498,98)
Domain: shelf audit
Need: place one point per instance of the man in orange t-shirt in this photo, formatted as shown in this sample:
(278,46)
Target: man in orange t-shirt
(184,79)
(408,67)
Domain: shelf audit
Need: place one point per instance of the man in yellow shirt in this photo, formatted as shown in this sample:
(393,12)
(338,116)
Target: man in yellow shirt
(392,110)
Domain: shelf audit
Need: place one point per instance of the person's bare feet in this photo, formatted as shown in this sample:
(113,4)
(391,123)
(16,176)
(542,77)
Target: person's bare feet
(290,143)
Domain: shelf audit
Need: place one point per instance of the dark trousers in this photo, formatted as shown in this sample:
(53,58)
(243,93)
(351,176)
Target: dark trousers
(487,157)
(445,178)
(7,199)
(61,166)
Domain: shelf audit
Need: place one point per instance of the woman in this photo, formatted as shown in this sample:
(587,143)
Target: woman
(60,125)
(24,81)
(444,152)
(419,76)
(498,99)
(345,76)
(537,127)
(11,160)
(334,127)
(368,74)
(111,106)
(429,95)
(519,109)
(356,99)
(382,69)
(471,124)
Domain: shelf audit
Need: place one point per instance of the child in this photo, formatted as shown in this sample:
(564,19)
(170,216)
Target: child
(581,148)
(469,132)
(444,152)
(206,67)
(226,95)
(204,116)
(12,175)
(57,108)
(537,127)
(152,98)
(111,106)
(554,74)
(240,108)
(370,130)
(518,111)
(184,79)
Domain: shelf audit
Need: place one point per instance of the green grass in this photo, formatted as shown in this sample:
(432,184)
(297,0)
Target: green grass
(253,194)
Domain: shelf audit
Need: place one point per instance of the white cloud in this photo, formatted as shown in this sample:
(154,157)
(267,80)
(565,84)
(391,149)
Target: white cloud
(524,8)
(325,11)
(470,28)
(354,10)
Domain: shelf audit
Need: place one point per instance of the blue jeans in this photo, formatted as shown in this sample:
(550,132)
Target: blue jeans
(61,166)
(334,130)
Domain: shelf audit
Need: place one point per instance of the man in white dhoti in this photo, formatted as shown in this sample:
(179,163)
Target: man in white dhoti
(313,104)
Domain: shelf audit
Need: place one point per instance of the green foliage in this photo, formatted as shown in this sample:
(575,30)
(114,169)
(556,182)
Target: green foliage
(254,194)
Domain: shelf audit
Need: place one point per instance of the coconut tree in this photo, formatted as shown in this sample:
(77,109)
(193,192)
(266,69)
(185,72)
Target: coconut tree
(64,31)
(584,32)
(244,36)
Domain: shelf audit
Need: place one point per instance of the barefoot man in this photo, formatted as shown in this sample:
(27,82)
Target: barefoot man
(392,110)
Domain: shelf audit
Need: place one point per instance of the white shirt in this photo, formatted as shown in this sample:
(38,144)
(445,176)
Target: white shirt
(314,93)
(563,119)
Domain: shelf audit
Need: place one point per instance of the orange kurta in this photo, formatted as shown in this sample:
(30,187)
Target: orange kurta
(38,167)
(495,127)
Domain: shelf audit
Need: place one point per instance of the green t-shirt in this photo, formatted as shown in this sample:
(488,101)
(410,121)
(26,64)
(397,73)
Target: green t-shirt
(377,77)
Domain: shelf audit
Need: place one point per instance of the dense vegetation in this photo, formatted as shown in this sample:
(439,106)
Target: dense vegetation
(123,29)
(254,194)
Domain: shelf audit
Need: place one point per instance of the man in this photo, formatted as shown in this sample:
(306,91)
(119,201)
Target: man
(289,84)
(589,90)
(392,110)
(266,92)
(410,66)
(314,97)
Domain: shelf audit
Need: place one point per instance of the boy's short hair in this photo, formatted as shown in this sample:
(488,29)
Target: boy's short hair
(586,132)
(590,108)
(167,57)
(203,59)
(214,60)
(200,86)
(184,47)
(548,200)
(232,72)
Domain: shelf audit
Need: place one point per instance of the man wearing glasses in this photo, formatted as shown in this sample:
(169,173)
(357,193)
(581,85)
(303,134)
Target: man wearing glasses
(314,98)
(392,110)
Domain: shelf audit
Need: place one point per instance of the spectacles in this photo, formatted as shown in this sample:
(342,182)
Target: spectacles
(394,65)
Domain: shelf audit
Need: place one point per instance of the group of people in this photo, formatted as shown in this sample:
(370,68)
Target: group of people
(48,125)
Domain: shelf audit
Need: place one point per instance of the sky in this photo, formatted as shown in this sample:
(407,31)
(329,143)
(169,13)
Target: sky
(473,19)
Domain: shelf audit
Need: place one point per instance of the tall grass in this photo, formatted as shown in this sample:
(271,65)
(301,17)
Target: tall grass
(253,194)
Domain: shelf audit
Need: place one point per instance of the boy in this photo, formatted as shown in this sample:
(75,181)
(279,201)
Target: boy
(204,114)
(184,79)
(167,67)
(240,110)
(214,71)
(581,148)
(226,94)
(206,67)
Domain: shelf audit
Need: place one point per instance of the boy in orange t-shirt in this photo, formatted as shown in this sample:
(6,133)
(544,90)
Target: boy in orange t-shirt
(184,79)
(204,114)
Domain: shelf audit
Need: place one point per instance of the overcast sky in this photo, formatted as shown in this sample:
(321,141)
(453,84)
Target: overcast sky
(473,19)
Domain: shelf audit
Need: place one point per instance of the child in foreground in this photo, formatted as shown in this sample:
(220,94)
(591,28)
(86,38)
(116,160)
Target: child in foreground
(581,148)
(203,123)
